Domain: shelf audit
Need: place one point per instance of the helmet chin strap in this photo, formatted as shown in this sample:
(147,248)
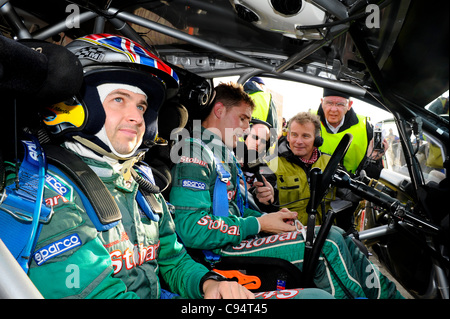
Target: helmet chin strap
(128,163)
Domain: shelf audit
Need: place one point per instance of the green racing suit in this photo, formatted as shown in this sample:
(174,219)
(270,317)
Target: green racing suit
(199,227)
(72,259)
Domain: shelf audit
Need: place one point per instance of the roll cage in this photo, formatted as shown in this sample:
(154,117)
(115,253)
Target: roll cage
(367,63)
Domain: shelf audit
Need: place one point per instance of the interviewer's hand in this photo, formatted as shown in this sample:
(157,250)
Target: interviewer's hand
(226,290)
(279,222)
(264,192)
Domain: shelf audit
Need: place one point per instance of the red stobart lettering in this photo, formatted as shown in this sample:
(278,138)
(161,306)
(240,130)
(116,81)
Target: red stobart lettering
(133,257)
(253,243)
(116,259)
(219,224)
(185,159)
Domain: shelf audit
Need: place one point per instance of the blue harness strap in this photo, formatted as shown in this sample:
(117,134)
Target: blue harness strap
(22,208)
(241,201)
(220,196)
(211,257)
(165,294)
(93,215)
(90,211)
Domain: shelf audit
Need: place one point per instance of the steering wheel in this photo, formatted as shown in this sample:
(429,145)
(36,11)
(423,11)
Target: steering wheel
(332,166)
(311,255)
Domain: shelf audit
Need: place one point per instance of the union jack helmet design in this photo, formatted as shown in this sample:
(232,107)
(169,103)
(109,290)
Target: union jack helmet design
(96,50)
(108,58)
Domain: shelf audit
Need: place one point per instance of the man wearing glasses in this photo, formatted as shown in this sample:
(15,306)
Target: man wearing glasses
(337,118)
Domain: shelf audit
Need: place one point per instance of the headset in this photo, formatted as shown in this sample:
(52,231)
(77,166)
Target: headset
(318,140)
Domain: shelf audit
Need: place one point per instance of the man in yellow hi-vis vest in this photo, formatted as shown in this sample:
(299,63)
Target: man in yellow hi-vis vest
(265,109)
(338,118)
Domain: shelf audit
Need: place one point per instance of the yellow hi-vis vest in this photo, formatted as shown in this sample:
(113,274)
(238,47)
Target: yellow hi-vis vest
(292,185)
(262,105)
(357,149)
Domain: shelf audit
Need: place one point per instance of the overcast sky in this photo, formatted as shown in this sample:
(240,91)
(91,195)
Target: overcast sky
(298,97)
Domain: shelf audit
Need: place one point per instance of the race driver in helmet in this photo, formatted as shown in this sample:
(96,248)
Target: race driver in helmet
(109,125)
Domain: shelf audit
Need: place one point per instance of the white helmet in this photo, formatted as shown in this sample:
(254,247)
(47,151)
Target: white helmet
(109,58)
(282,16)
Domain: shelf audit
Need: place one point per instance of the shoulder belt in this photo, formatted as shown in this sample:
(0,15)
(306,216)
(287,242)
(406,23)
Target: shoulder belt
(220,197)
(105,213)
(86,180)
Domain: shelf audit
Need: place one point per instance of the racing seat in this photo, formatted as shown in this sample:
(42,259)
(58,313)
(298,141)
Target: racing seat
(258,274)
(172,118)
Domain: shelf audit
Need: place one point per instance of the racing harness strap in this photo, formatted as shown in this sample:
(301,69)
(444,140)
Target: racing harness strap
(98,201)
(103,204)
(22,208)
(220,197)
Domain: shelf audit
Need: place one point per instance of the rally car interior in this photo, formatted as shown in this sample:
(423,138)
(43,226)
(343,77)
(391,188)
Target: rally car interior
(390,54)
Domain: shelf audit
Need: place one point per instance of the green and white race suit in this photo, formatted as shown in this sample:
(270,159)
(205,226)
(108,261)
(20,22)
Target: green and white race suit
(72,259)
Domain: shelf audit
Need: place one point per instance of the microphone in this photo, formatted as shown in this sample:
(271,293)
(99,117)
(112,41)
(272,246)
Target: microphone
(38,69)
